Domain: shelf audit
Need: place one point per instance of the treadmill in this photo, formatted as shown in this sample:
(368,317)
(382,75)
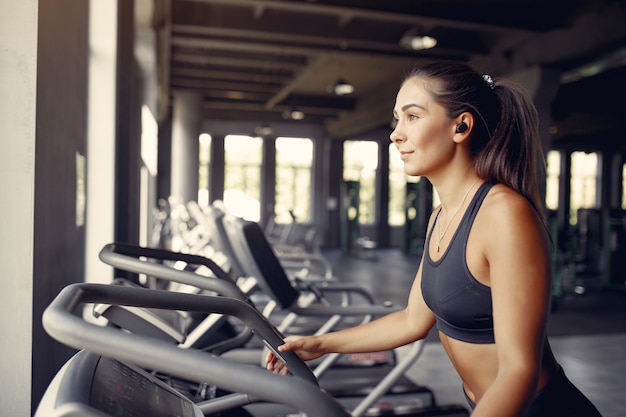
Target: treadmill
(371,382)
(112,373)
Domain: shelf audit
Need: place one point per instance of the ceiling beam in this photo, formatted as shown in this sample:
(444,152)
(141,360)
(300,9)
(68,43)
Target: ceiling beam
(585,39)
(202,73)
(435,53)
(347,13)
(224,85)
(280,39)
(220,61)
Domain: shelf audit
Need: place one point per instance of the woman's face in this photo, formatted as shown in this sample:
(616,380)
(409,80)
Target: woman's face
(424,133)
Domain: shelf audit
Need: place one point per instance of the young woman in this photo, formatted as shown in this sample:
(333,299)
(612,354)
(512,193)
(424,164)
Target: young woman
(484,278)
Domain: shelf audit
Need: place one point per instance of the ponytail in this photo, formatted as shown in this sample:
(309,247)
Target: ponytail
(513,154)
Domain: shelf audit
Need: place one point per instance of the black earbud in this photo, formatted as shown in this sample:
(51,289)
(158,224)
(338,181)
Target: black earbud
(462,127)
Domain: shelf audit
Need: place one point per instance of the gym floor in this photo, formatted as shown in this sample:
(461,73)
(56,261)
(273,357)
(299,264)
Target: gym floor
(587,331)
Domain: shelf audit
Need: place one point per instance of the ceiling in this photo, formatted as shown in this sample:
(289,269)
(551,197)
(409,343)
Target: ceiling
(259,60)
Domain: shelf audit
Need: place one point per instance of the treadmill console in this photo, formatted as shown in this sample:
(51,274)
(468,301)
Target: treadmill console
(123,391)
(90,385)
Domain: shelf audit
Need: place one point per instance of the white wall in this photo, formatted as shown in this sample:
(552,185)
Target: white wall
(18,79)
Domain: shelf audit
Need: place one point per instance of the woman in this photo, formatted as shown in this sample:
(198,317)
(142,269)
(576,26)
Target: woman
(484,279)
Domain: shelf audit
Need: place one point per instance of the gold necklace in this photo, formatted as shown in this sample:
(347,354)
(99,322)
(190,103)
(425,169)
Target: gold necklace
(442,234)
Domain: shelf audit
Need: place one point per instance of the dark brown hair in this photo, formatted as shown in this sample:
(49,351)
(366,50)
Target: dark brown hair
(504,140)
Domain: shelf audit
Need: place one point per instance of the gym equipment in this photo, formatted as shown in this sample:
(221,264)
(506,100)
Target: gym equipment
(255,255)
(113,384)
(350,215)
(615,251)
(211,218)
(418,204)
(146,261)
(121,387)
(297,302)
(354,384)
(257,258)
(149,261)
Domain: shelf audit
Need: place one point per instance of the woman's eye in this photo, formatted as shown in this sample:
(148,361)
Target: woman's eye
(412,117)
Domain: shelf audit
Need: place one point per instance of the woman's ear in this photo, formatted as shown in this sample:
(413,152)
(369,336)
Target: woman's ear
(465,123)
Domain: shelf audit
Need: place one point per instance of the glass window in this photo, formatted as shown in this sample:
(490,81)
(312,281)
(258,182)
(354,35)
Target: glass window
(294,160)
(583,183)
(553,169)
(397,187)
(243,156)
(360,162)
(203,170)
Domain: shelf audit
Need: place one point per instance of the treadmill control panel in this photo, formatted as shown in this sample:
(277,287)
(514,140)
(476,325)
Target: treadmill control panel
(120,390)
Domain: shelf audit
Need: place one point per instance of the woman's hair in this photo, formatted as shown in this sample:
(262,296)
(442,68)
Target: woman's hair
(504,141)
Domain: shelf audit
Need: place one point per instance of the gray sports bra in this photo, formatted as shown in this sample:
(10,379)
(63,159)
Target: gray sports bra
(461,304)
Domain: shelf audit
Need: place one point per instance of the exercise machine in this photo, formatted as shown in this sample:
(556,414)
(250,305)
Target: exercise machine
(115,382)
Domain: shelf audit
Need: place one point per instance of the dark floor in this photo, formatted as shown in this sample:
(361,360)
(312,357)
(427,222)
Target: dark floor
(587,331)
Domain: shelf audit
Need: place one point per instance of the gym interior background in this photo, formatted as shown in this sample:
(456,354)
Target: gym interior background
(104,105)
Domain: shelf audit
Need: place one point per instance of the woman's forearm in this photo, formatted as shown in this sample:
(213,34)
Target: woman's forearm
(388,332)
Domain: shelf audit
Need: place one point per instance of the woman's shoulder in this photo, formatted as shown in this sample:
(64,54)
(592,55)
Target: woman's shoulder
(503,196)
(506,207)
(506,223)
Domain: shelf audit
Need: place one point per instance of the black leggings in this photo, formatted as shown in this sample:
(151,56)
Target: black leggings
(559,398)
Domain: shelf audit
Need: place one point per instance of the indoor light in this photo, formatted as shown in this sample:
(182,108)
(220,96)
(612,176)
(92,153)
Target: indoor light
(293,114)
(297,114)
(342,87)
(417,43)
(263,130)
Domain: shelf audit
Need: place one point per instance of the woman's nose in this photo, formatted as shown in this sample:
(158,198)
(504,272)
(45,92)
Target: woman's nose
(396,136)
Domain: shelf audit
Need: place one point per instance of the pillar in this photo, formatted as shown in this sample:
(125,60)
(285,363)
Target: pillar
(186,125)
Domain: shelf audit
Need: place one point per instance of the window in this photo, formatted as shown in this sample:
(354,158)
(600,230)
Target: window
(583,183)
(553,169)
(294,158)
(360,162)
(397,187)
(203,169)
(243,156)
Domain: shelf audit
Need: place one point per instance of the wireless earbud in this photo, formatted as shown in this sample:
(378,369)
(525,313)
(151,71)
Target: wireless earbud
(462,127)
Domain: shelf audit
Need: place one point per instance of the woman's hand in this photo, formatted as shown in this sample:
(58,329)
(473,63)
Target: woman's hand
(306,347)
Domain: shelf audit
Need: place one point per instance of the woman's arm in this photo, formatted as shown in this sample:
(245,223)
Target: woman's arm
(516,248)
(388,332)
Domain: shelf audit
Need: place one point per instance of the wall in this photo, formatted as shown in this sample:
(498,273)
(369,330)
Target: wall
(18,60)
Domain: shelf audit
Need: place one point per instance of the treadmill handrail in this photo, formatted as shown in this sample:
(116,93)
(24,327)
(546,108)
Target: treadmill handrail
(126,257)
(61,322)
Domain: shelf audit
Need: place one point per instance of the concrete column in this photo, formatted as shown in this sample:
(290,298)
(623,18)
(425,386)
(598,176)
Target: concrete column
(186,125)
(268,179)
(216,167)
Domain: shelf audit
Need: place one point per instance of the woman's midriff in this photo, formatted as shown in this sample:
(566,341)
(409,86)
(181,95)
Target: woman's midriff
(477,365)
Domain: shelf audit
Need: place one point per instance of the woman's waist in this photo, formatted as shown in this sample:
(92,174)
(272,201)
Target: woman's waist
(478,365)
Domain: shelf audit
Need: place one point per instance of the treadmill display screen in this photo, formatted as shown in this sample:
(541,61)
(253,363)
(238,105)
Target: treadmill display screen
(122,391)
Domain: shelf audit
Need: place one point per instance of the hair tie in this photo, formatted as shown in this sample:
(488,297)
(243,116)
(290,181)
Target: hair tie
(488,80)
